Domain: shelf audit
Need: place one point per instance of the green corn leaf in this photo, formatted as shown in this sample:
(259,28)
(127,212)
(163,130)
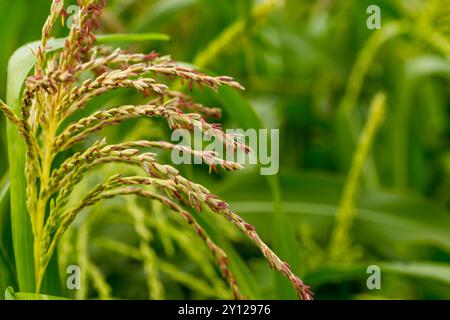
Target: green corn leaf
(394,219)
(428,270)
(425,270)
(132,37)
(7,277)
(4,212)
(19,65)
(11,295)
(404,141)
(159,12)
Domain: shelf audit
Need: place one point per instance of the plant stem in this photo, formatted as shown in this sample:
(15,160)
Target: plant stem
(229,35)
(346,212)
(39,215)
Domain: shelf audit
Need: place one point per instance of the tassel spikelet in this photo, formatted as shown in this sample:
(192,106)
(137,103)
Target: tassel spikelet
(54,92)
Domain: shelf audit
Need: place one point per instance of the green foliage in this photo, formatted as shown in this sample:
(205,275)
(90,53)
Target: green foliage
(11,295)
(310,69)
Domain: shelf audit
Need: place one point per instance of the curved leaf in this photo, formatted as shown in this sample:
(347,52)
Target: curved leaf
(132,37)
(19,66)
(435,271)
(6,265)
(312,198)
(11,295)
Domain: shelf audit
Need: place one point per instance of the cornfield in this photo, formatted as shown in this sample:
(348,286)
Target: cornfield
(350,98)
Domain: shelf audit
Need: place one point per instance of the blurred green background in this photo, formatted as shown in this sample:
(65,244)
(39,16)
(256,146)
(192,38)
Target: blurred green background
(311,69)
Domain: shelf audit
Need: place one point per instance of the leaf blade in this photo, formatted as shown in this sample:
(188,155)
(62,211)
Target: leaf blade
(11,295)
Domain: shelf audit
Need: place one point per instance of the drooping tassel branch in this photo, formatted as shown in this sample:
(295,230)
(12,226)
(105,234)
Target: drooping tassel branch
(55,92)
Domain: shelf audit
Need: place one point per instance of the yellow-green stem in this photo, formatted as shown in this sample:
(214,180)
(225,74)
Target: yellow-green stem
(39,215)
(346,212)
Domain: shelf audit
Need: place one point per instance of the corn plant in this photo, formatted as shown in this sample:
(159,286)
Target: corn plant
(65,79)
